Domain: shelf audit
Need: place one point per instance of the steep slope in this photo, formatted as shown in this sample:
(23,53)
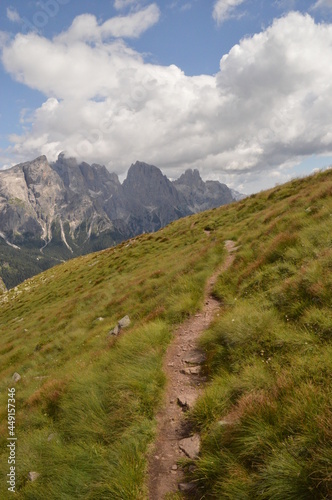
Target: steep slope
(86,402)
(52,212)
(265,418)
(28,195)
(151,198)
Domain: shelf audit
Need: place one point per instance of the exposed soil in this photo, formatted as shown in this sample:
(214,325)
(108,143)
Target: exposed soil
(184,384)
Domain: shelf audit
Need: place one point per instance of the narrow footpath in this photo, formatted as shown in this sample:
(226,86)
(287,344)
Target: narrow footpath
(184,384)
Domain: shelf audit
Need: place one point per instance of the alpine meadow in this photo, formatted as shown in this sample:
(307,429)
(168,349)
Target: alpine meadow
(86,401)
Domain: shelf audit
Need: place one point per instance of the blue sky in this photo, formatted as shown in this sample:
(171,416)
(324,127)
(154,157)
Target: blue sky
(239,89)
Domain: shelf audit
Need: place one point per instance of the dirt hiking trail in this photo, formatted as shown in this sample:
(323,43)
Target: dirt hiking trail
(184,385)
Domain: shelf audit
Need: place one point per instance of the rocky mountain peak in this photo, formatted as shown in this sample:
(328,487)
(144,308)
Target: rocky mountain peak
(200,195)
(37,171)
(67,169)
(82,177)
(52,211)
(148,183)
(190,178)
(143,172)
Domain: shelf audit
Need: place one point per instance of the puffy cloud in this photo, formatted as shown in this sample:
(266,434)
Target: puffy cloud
(13,15)
(86,27)
(223,9)
(268,107)
(69,68)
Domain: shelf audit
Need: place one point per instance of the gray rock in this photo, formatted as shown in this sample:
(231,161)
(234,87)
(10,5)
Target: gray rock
(32,476)
(194,358)
(193,370)
(186,401)
(185,371)
(115,331)
(190,446)
(51,437)
(16,377)
(124,322)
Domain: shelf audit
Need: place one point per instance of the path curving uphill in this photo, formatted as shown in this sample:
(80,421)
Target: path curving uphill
(184,384)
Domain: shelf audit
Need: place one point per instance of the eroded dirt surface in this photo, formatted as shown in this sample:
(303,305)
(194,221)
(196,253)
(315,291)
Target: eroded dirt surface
(182,368)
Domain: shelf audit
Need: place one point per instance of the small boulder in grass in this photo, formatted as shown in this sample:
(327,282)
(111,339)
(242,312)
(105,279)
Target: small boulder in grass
(114,332)
(16,377)
(122,323)
(33,476)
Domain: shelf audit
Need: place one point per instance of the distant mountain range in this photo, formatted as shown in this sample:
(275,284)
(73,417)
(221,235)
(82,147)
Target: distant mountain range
(51,212)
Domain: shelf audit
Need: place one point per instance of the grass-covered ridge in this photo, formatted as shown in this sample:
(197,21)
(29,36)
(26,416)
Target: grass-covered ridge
(265,417)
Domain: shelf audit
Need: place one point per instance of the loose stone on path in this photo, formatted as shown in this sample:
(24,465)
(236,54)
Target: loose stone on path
(190,446)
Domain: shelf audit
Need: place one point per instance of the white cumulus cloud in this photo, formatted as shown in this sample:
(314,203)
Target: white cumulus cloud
(268,107)
(223,9)
(85,27)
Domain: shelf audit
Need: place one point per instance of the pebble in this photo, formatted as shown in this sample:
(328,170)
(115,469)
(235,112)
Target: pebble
(16,377)
(32,476)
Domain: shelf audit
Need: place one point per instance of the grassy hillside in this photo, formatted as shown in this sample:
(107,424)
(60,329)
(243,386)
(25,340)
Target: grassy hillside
(86,402)
(96,396)
(266,416)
